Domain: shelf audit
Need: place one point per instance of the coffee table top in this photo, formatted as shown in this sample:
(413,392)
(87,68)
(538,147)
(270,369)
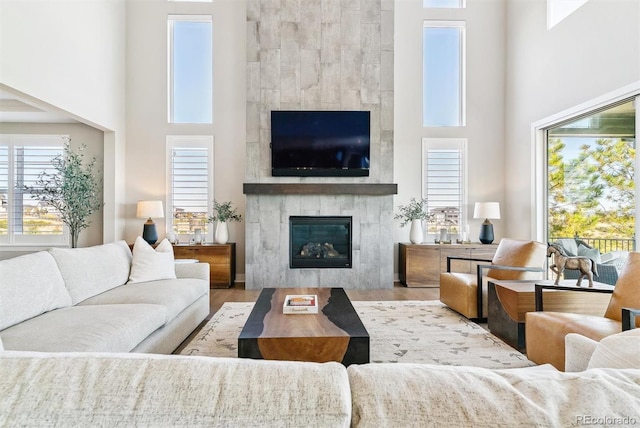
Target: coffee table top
(333,334)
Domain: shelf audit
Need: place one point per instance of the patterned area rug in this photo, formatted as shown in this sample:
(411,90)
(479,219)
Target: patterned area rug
(400,332)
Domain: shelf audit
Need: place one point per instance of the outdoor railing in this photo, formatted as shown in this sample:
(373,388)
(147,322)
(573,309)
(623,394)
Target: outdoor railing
(605,245)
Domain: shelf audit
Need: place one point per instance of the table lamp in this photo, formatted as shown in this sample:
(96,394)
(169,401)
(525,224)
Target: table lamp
(148,209)
(486,210)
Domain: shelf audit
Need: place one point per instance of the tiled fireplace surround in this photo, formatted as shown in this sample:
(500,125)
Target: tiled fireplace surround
(319,55)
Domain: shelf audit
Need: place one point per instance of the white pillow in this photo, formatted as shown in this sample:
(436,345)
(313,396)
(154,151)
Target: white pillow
(151,265)
(618,351)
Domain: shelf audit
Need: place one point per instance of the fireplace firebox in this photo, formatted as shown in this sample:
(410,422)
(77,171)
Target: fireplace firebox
(319,242)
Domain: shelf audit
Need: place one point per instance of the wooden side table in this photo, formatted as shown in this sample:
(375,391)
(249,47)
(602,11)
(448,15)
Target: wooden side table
(221,259)
(509,301)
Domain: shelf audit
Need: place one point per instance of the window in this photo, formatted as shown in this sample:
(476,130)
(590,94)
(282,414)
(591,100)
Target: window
(444,183)
(591,192)
(451,4)
(443,73)
(24,220)
(190,69)
(189,184)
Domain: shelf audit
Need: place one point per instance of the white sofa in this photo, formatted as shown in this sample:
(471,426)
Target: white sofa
(79,300)
(62,389)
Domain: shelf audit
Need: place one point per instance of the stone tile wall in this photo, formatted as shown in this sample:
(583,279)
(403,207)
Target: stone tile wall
(319,55)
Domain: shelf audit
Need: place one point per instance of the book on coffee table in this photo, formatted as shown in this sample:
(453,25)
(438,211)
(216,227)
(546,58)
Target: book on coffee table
(300,304)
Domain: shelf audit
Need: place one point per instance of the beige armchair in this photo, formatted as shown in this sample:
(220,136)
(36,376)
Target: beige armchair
(545,331)
(513,260)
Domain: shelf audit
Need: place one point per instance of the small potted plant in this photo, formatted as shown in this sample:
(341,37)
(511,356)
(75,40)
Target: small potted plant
(222,214)
(414,212)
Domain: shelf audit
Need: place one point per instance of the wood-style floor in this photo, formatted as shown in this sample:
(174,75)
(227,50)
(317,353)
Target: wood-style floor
(237,293)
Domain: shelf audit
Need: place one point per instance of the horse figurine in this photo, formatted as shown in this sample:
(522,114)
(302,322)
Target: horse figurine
(561,261)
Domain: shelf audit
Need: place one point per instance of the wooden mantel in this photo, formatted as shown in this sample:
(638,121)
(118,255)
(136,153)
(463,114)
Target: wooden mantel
(369,189)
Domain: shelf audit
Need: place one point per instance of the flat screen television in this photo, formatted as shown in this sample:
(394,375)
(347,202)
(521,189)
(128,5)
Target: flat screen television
(320,143)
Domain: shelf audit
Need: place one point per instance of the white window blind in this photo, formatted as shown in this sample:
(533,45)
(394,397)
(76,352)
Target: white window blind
(23,219)
(190,184)
(444,183)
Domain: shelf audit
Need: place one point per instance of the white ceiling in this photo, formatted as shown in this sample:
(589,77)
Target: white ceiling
(16,111)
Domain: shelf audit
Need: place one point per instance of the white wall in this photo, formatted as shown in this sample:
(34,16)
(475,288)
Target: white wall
(485,103)
(68,56)
(594,51)
(147,125)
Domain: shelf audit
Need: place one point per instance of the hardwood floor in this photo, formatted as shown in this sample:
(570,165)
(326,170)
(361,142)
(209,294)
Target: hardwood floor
(237,293)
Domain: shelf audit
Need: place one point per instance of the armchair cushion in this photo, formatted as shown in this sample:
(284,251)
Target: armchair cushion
(513,252)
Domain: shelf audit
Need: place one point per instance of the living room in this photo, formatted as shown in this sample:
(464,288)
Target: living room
(102,66)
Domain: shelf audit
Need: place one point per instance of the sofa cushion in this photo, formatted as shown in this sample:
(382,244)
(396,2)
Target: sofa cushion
(149,264)
(173,294)
(618,351)
(30,285)
(79,390)
(570,246)
(100,328)
(396,395)
(92,270)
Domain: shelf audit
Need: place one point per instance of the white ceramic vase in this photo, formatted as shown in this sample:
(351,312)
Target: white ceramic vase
(222,232)
(415,235)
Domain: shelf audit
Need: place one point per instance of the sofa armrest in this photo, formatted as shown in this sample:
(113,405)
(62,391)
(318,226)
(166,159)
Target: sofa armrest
(540,287)
(470,259)
(629,318)
(193,270)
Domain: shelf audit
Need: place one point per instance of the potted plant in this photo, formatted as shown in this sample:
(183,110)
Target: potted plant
(414,212)
(73,189)
(223,213)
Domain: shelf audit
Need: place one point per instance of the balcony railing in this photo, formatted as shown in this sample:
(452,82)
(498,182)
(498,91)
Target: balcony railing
(605,245)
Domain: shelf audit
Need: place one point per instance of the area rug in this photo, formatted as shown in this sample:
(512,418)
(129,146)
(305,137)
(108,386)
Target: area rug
(408,331)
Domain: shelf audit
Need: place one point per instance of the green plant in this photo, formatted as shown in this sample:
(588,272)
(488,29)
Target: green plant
(73,189)
(223,212)
(414,210)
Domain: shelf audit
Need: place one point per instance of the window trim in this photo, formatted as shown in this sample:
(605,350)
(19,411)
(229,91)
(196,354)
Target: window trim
(448,143)
(462,26)
(28,242)
(190,141)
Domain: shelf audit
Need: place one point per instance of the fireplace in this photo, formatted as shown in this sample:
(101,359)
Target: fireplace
(319,242)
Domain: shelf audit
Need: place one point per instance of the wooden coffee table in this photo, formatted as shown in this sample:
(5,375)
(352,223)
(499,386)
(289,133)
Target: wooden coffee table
(509,301)
(334,334)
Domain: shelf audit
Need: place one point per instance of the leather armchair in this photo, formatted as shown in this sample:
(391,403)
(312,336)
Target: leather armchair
(545,331)
(514,260)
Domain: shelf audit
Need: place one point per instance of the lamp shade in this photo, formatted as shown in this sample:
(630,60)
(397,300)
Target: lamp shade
(489,210)
(150,209)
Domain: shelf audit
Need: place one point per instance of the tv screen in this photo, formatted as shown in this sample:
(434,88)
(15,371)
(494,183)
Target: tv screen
(320,143)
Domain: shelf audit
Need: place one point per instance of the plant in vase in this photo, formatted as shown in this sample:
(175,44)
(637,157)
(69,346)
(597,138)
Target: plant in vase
(415,212)
(222,214)
(73,189)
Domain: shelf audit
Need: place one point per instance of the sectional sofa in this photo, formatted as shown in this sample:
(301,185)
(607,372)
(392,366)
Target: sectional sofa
(100,299)
(61,301)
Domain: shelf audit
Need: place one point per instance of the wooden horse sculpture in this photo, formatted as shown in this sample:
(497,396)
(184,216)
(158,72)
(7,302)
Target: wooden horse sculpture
(561,261)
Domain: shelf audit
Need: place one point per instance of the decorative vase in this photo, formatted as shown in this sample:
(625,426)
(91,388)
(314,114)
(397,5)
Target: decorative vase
(222,232)
(415,236)
(198,235)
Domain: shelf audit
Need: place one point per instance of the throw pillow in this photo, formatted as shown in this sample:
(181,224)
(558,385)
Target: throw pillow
(618,351)
(592,253)
(569,246)
(151,265)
